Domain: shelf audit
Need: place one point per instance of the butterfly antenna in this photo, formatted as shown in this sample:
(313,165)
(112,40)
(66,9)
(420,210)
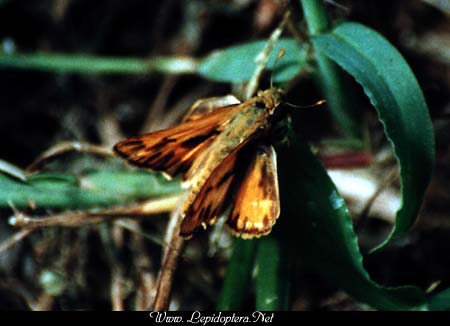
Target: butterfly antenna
(277,60)
(338,5)
(318,103)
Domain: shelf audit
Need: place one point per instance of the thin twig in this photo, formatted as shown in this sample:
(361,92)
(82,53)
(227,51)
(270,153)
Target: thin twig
(292,27)
(43,303)
(263,57)
(338,5)
(132,226)
(117,272)
(14,239)
(65,147)
(112,242)
(108,125)
(146,280)
(76,219)
(117,290)
(155,113)
(146,290)
(171,254)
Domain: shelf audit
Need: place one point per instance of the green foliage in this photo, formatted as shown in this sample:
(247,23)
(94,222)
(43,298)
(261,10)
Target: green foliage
(238,276)
(93,189)
(320,230)
(272,274)
(393,90)
(87,64)
(440,301)
(218,66)
(222,65)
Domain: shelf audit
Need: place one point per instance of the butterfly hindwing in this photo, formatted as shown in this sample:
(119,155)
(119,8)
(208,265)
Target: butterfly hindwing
(247,178)
(173,150)
(215,195)
(257,204)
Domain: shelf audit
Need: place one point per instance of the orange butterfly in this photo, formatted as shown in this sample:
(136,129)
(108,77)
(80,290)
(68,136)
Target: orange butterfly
(223,153)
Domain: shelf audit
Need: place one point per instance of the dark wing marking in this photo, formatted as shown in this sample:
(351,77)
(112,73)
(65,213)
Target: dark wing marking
(215,195)
(173,150)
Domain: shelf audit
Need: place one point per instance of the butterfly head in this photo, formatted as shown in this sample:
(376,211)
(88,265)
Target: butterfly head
(271,98)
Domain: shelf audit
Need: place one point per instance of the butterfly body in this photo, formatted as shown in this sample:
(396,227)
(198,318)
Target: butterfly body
(224,159)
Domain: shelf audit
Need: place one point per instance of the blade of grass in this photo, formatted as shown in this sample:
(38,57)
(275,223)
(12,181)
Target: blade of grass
(94,189)
(395,93)
(272,277)
(77,63)
(238,276)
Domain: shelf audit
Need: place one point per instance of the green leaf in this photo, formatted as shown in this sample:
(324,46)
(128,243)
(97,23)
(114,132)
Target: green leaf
(272,275)
(440,301)
(238,276)
(393,90)
(237,64)
(95,189)
(319,230)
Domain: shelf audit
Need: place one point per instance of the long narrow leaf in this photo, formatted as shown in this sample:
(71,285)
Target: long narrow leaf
(238,276)
(272,276)
(95,189)
(89,64)
(321,231)
(393,90)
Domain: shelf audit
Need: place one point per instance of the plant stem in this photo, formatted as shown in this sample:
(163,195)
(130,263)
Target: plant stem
(77,63)
(315,16)
(329,77)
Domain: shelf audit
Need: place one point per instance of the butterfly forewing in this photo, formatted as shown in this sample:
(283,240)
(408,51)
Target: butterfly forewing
(257,205)
(249,122)
(208,105)
(174,150)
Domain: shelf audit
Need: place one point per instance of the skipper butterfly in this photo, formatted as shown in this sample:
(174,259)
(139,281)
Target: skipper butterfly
(223,153)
